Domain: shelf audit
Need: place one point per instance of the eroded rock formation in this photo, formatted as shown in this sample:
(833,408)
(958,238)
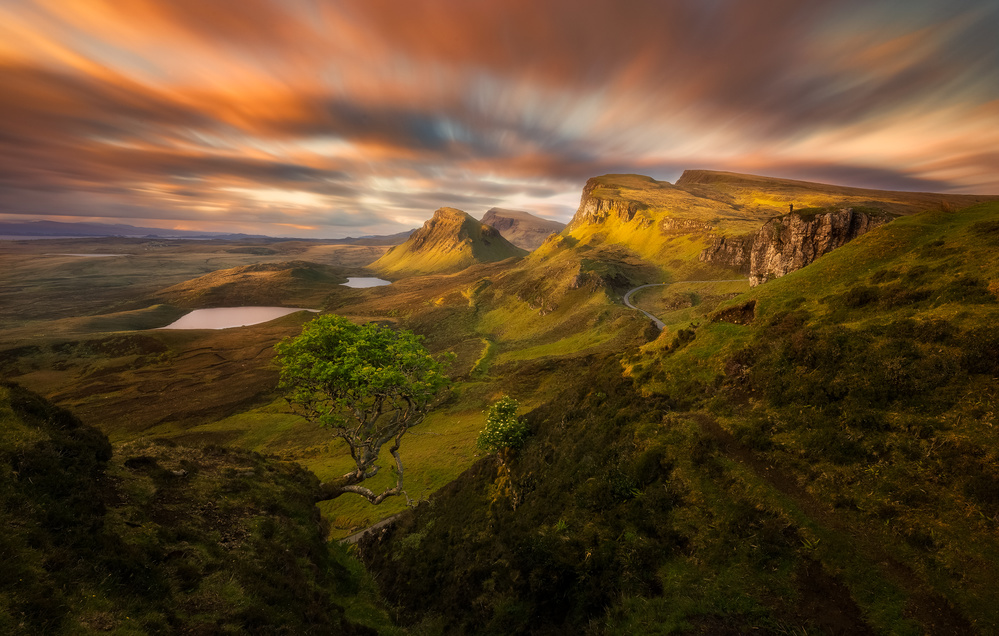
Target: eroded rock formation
(787,243)
(598,209)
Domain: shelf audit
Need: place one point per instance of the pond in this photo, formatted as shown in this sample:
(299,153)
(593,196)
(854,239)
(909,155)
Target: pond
(227,317)
(355,281)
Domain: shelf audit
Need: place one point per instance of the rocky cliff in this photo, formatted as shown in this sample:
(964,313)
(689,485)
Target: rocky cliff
(731,251)
(523,229)
(787,243)
(450,241)
(597,209)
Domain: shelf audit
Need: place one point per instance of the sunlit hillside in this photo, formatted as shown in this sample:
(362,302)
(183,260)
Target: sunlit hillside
(450,241)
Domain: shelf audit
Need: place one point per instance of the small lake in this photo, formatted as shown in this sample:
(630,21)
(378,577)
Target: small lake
(227,317)
(354,281)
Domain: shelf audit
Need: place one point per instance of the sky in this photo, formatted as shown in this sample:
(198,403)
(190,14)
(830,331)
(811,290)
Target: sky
(332,118)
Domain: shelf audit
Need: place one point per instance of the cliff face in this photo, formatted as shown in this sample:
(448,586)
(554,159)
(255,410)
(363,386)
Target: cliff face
(790,242)
(524,230)
(731,251)
(594,209)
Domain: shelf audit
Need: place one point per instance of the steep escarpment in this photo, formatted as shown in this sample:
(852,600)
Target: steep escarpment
(713,224)
(787,243)
(600,202)
(652,221)
(790,242)
(449,242)
(523,229)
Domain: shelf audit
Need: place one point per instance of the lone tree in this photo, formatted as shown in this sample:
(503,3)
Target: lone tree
(505,433)
(504,430)
(367,384)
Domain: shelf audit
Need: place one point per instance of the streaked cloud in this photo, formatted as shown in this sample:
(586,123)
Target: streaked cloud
(328,118)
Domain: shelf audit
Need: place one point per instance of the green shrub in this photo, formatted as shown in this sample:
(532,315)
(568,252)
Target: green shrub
(503,428)
(860,296)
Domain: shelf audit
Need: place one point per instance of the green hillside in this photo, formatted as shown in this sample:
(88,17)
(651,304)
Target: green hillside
(812,455)
(668,225)
(829,467)
(450,241)
(157,538)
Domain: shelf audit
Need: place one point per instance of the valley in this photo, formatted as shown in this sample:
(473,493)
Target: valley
(811,451)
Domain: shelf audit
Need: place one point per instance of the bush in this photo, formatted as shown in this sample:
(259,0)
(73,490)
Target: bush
(860,296)
(503,428)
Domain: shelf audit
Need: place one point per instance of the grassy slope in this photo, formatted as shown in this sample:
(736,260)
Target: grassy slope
(828,468)
(868,378)
(160,538)
(731,204)
(515,330)
(449,242)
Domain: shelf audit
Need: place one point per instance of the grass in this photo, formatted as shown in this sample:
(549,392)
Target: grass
(561,348)
(625,503)
(901,312)
(680,304)
(449,242)
(156,537)
(434,454)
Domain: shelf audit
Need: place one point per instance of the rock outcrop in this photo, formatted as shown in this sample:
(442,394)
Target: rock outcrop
(787,243)
(450,241)
(523,229)
(792,241)
(683,226)
(731,251)
(597,209)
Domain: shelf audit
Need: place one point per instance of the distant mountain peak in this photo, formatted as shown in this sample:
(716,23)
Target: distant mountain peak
(523,229)
(449,241)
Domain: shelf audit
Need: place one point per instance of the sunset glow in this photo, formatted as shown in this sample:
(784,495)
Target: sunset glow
(332,118)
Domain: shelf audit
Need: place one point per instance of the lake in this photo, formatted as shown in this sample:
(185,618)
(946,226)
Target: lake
(354,281)
(227,317)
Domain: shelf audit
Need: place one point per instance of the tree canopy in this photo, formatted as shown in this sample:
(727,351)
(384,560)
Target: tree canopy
(503,428)
(368,384)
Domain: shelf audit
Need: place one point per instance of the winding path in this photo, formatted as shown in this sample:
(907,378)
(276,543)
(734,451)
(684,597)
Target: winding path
(659,323)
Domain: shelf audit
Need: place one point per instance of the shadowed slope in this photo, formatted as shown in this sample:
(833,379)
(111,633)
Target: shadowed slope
(523,229)
(156,538)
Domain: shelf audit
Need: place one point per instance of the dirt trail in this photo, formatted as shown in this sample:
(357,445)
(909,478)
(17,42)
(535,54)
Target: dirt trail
(933,611)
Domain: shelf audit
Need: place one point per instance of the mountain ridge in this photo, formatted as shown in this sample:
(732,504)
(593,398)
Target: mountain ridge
(523,229)
(449,241)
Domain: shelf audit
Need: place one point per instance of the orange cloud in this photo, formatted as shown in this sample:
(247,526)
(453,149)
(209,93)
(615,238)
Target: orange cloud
(382,110)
